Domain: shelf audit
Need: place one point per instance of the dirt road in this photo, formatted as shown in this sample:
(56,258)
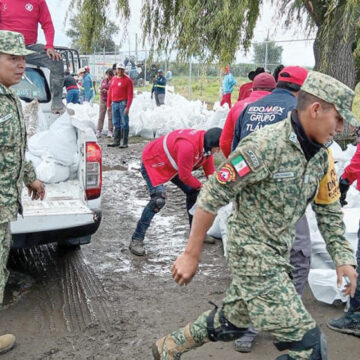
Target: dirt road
(101,302)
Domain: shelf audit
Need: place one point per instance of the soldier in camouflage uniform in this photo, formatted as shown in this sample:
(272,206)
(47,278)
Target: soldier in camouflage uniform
(271,177)
(14,169)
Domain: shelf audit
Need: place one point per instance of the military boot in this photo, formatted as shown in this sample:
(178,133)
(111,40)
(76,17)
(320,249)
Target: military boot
(137,247)
(125,139)
(7,342)
(117,137)
(167,348)
(349,323)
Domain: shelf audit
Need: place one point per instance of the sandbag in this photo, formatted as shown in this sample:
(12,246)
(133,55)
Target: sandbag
(50,172)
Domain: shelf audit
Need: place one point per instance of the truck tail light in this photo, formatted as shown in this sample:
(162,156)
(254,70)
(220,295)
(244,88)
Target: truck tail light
(93,176)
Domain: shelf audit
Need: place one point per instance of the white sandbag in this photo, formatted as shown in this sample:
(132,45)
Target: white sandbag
(323,284)
(58,143)
(49,172)
(35,160)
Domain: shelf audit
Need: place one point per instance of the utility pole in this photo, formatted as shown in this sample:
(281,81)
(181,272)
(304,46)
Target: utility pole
(266,50)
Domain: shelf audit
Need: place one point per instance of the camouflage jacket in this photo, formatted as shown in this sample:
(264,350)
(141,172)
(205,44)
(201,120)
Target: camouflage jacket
(13,167)
(271,183)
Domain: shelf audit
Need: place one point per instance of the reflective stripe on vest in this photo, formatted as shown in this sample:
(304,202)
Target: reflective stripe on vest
(170,158)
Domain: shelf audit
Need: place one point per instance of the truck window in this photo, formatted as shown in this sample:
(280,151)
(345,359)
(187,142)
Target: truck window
(33,85)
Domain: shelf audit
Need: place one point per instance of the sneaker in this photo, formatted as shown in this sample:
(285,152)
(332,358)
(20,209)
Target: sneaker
(7,342)
(109,134)
(98,134)
(349,323)
(137,247)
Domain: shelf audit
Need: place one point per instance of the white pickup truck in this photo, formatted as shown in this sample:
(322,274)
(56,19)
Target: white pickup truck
(71,211)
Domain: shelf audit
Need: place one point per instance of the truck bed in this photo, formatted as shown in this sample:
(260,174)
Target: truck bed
(62,208)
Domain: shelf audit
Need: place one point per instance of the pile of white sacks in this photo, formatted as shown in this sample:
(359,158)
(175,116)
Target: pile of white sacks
(150,121)
(52,140)
(322,277)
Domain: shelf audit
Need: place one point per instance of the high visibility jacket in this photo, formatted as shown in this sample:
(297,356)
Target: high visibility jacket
(159,85)
(178,153)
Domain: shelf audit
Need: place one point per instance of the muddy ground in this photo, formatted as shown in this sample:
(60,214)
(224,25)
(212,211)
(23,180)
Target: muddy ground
(101,302)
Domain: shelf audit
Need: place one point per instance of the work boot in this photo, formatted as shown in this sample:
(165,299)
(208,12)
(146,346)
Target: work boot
(349,323)
(7,342)
(137,247)
(170,349)
(125,139)
(243,345)
(117,135)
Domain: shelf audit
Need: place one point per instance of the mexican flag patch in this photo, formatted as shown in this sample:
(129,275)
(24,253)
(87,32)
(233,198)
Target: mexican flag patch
(240,165)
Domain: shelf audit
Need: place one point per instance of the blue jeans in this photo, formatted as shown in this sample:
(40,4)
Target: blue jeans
(120,120)
(159,192)
(72,96)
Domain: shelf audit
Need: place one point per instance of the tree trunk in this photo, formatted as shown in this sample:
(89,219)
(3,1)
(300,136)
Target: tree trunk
(333,53)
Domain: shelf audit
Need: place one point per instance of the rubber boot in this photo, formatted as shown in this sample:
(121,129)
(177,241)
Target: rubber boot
(125,139)
(171,346)
(117,136)
(7,342)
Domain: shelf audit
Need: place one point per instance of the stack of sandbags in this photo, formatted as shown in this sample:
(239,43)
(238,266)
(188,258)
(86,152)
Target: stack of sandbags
(54,152)
(149,120)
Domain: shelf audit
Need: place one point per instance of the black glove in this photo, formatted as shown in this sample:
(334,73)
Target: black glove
(344,187)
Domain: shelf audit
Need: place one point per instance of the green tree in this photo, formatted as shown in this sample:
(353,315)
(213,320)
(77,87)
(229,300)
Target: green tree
(273,53)
(103,42)
(215,30)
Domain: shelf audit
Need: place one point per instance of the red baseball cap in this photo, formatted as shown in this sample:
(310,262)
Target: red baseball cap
(293,74)
(264,81)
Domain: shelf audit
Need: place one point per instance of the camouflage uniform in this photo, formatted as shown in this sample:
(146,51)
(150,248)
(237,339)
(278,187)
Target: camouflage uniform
(13,167)
(270,192)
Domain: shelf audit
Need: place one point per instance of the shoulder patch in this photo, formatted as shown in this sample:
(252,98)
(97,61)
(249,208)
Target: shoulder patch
(225,174)
(253,161)
(241,166)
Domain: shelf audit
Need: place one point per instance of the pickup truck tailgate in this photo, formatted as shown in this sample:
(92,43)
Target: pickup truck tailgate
(62,208)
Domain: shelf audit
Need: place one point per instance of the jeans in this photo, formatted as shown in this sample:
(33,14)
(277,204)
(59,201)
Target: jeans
(120,120)
(159,192)
(56,68)
(72,96)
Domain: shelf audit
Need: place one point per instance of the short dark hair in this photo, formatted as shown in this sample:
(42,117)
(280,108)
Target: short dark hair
(288,86)
(109,72)
(66,72)
(304,99)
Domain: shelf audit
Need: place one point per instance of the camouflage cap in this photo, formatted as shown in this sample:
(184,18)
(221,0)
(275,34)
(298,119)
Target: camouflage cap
(332,91)
(13,43)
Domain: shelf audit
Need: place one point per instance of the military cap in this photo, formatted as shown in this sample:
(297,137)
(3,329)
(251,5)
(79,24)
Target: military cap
(13,43)
(334,92)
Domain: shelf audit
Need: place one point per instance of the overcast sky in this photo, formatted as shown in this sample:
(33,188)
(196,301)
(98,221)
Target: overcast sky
(295,53)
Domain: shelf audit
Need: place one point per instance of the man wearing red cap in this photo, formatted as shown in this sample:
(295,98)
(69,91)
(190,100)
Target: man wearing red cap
(266,111)
(24,17)
(262,85)
(274,107)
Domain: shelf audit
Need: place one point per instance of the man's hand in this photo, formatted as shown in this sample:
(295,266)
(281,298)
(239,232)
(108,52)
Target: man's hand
(350,272)
(108,108)
(36,190)
(184,268)
(344,187)
(126,111)
(52,54)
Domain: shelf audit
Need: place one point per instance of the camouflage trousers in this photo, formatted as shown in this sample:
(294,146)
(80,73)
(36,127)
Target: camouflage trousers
(5,242)
(269,303)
